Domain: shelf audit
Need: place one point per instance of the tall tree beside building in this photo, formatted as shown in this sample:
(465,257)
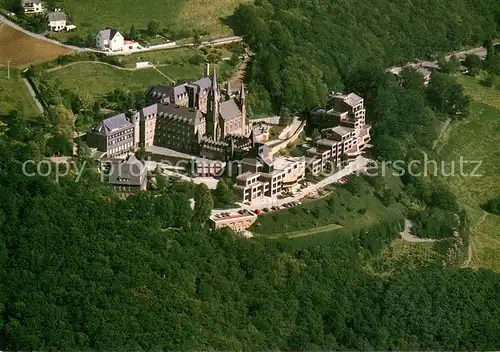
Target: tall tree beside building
(223,194)
(133,33)
(204,203)
(153,27)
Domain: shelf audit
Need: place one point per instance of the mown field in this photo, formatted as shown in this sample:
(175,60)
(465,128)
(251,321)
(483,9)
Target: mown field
(15,95)
(176,14)
(23,50)
(168,56)
(98,78)
(478,139)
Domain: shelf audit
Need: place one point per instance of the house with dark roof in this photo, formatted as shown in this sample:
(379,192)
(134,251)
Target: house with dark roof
(127,175)
(110,39)
(57,21)
(115,136)
(176,95)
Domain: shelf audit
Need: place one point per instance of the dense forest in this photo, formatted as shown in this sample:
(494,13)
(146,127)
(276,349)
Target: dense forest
(81,268)
(303,49)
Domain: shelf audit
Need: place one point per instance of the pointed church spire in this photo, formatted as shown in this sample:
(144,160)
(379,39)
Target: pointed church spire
(242,102)
(212,119)
(214,81)
(242,92)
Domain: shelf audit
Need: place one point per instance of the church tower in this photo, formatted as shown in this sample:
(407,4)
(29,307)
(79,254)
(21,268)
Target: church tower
(243,103)
(213,101)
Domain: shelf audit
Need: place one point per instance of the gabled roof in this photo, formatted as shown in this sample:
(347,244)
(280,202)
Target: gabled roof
(56,16)
(149,110)
(108,33)
(229,110)
(203,84)
(24,2)
(129,171)
(113,124)
(182,113)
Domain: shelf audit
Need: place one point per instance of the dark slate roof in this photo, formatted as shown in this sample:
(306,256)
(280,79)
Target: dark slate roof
(187,115)
(173,92)
(129,171)
(108,33)
(159,90)
(57,16)
(202,85)
(229,109)
(113,124)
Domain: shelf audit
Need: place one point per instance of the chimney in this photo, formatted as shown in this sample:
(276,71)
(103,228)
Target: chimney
(207,69)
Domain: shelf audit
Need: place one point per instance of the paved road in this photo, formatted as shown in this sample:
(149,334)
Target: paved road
(223,41)
(359,163)
(479,51)
(218,41)
(408,237)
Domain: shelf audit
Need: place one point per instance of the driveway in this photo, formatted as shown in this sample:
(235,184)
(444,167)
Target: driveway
(359,163)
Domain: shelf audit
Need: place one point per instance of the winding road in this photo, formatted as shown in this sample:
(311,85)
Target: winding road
(218,41)
(408,237)
(8,22)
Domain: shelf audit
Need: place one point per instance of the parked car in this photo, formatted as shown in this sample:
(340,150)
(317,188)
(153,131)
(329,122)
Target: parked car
(265,210)
(257,211)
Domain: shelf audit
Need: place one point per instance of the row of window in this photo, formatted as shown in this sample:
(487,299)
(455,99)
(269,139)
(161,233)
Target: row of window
(121,149)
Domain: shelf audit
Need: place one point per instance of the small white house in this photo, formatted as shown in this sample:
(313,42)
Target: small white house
(32,6)
(110,39)
(57,21)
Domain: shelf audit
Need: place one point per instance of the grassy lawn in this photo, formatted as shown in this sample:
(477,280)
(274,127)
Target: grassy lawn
(182,72)
(480,93)
(168,56)
(99,79)
(175,14)
(23,50)
(340,210)
(15,95)
(478,138)
(207,16)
